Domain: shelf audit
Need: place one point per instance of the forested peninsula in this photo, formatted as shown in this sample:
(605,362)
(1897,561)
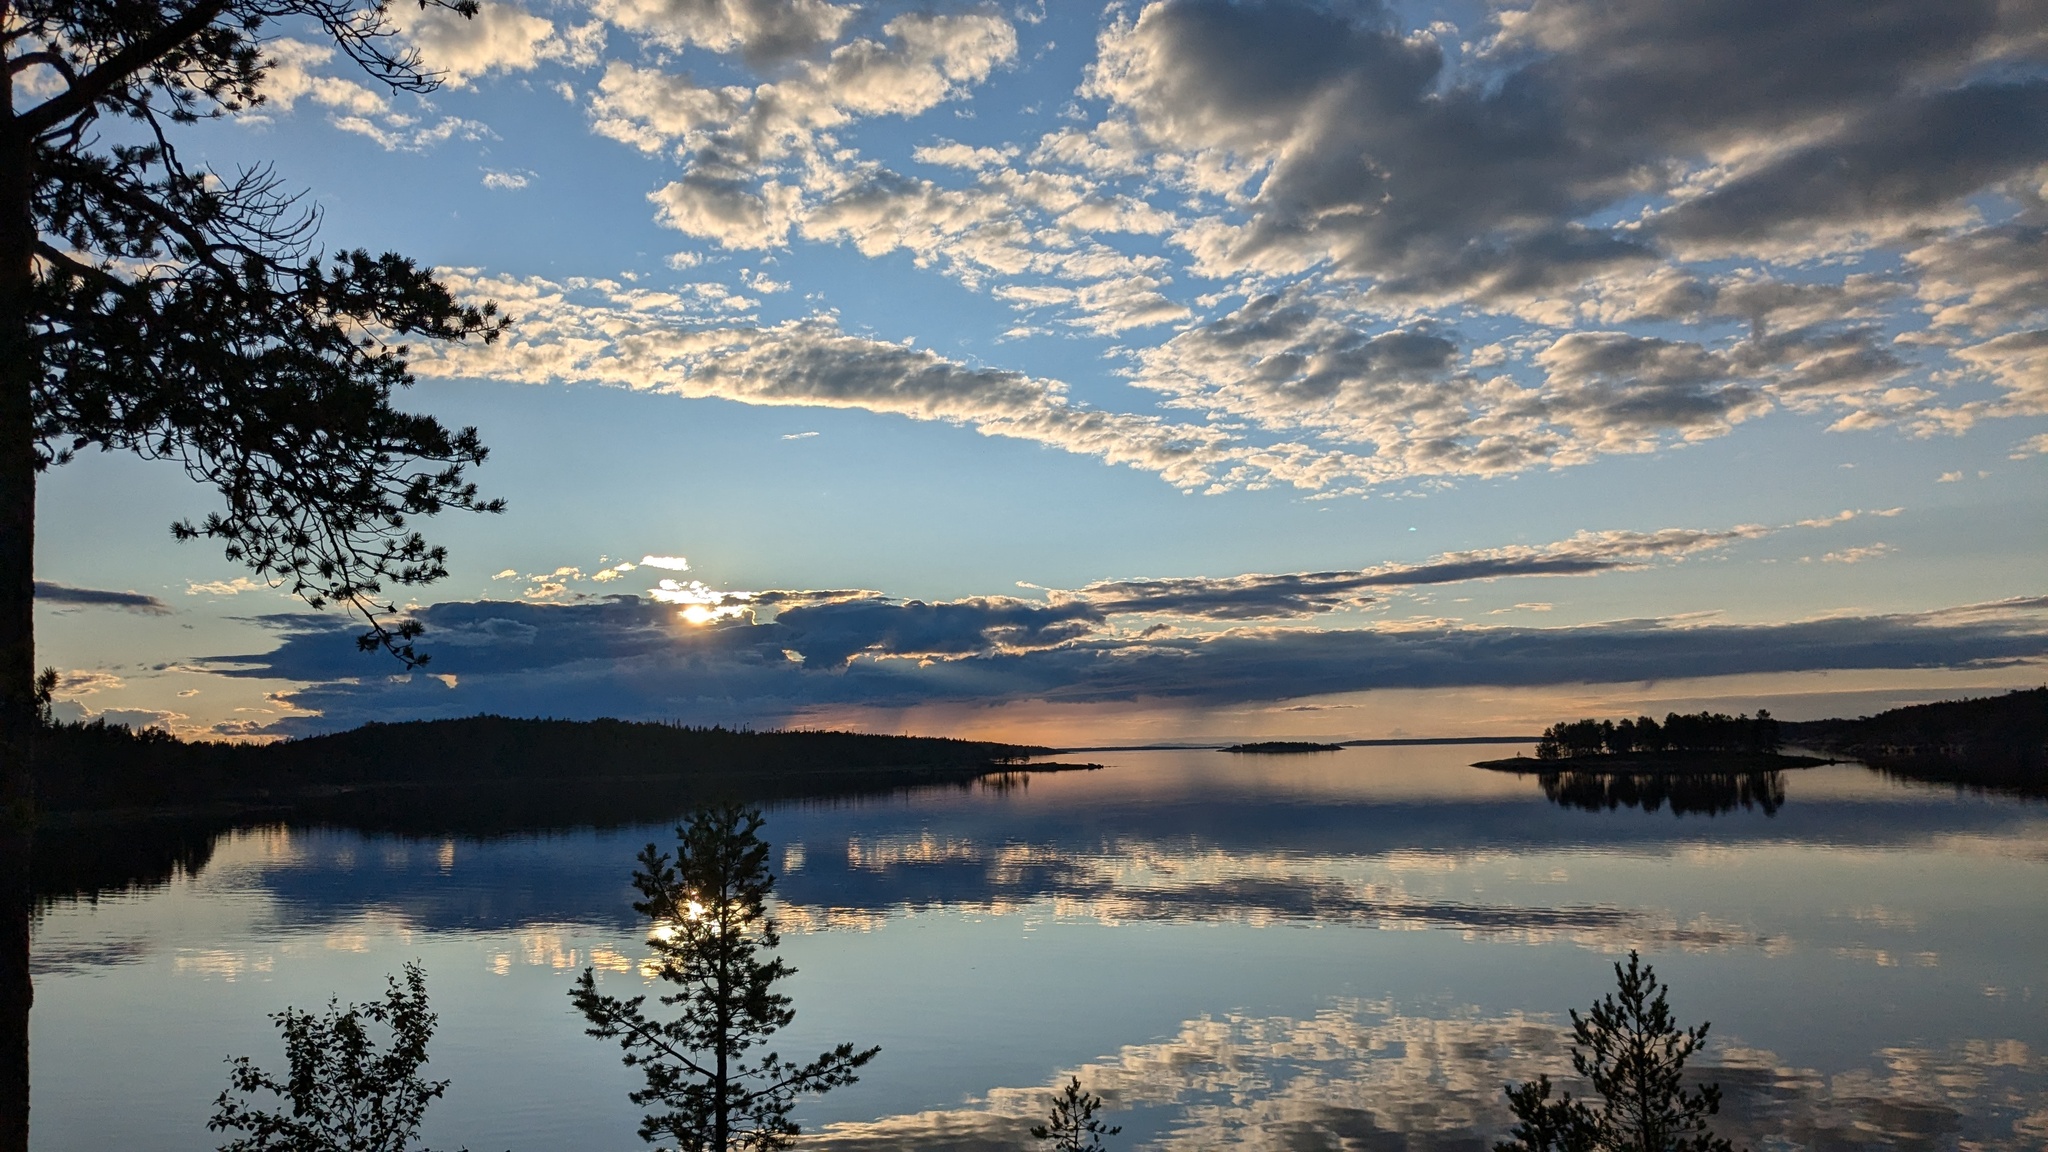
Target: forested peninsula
(99,770)
(1998,742)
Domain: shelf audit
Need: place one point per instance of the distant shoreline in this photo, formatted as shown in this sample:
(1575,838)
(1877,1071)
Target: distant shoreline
(1391,742)
(1658,763)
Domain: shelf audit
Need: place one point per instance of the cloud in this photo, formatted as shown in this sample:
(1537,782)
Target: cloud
(656,342)
(405,134)
(553,585)
(352,107)
(672,563)
(291,78)
(730,131)
(51,592)
(1257,597)
(701,603)
(234,587)
(1299,360)
(1663,221)
(500,37)
(763,32)
(1858,555)
(1368,1075)
(1903,164)
(506,181)
(85,682)
(629,657)
(1484,175)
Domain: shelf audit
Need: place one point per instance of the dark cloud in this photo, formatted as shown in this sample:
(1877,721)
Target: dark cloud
(833,633)
(637,660)
(1899,163)
(50,592)
(1491,174)
(1612,380)
(1294,594)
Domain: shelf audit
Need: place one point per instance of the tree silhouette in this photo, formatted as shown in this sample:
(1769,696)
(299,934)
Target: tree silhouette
(1072,1127)
(711,932)
(182,313)
(1633,1053)
(343,1093)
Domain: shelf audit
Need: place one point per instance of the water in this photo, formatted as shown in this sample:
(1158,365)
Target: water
(1354,949)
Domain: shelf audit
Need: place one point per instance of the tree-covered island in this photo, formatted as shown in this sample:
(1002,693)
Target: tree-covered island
(1699,742)
(1283,747)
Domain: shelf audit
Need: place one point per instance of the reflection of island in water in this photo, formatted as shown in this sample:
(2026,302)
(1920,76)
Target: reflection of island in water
(1686,794)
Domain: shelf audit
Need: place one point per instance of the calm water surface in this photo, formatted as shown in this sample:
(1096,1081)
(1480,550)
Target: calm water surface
(1348,950)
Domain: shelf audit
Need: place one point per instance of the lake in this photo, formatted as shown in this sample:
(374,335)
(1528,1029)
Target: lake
(1344,950)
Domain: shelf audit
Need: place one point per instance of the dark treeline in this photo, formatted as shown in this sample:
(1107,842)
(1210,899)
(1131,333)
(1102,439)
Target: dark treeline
(100,767)
(1698,732)
(1996,742)
(482,777)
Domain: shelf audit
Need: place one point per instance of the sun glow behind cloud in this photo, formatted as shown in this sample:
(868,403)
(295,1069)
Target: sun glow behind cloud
(701,604)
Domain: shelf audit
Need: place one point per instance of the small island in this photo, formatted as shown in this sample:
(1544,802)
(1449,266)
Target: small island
(1282,747)
(1704,742)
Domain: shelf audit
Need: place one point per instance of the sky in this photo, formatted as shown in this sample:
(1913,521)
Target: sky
(1161,372)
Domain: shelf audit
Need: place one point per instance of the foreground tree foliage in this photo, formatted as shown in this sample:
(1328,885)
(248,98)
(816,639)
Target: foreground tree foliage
(181,313)
(1633,1053)
(1072,1127)
(713,938)
(343,1092)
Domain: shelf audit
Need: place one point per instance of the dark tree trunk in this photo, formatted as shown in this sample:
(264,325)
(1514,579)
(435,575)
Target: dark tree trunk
(18,719)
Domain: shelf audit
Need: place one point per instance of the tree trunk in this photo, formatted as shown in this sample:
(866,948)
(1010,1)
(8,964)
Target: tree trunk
(18,719)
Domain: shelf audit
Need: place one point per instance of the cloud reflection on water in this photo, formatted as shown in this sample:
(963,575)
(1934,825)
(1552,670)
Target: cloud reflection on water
(1364,1075)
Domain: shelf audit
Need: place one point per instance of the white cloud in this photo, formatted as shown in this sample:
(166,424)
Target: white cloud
(620,338)
(291,79)
(398,133)
(501,37)
(85,682)
(924,60)
(353,107)
(506,181)
(671,563)
(234,587)
(764,31)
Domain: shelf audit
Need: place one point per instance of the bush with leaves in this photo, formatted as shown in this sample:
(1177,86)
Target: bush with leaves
(343,1092)
(711,934)
(1633,1053)
(1072,1127)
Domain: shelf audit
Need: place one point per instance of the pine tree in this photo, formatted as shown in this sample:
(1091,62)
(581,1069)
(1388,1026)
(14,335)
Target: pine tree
(713,938)
(1631,1050)
(152,304)
(1072,1127)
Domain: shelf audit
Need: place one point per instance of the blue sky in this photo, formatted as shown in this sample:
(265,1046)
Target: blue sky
(1174,370)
